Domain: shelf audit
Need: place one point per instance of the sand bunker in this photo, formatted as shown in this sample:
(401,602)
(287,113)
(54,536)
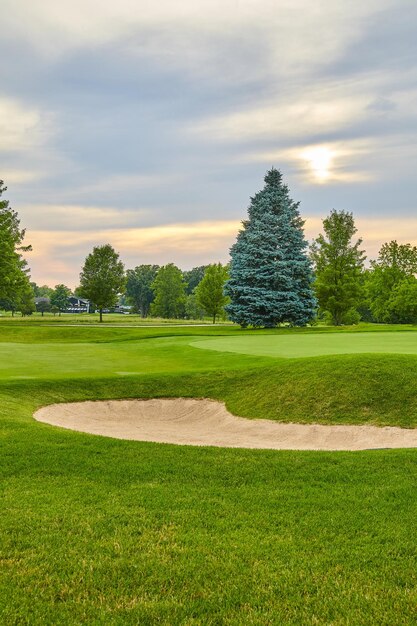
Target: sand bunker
(208,423)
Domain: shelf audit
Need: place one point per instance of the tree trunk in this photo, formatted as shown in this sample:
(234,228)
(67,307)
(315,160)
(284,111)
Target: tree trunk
(214,318)
(101,314)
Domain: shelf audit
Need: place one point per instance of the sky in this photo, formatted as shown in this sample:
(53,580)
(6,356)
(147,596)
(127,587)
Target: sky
(149,125)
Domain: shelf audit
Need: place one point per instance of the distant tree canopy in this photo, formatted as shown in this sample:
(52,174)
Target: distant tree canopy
(391,283)
(269,281)
(26,303)
(43,305)
(210,291)
(59,297)
(139,287)
(102,278)
(169,289)
(193,277)
(42,291)
(193,310)
(270,272)
(338,265)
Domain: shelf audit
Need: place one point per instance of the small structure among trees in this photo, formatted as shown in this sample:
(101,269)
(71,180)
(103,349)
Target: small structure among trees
(270,272)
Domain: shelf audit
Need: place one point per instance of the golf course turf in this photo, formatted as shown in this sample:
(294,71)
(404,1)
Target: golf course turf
(315,344)
(102,531)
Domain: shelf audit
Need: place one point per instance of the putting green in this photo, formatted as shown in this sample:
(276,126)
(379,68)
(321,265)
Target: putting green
(314,344)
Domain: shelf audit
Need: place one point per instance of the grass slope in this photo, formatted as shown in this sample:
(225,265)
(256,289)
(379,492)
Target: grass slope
(314,344)
(99,531)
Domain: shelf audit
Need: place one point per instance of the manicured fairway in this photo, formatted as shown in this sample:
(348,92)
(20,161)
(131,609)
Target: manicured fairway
(101,531)
(314,344)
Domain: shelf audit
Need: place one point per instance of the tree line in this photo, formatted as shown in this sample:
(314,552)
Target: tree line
(274,276)
(277,278)
(150,290)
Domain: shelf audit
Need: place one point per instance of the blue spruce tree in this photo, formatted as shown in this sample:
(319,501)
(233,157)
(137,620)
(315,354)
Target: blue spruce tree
(270,272)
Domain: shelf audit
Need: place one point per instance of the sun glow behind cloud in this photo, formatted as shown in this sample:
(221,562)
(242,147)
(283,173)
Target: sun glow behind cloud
(135,122)
(320,160)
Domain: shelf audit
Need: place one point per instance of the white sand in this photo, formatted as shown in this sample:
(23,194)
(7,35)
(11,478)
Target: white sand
(208,423)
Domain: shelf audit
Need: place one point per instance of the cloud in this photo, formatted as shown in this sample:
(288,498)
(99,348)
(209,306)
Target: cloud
(325,163)
(22,128)
(77,218)
(19,176)
(59,257)
(314,113)
(373,231)
(120,118)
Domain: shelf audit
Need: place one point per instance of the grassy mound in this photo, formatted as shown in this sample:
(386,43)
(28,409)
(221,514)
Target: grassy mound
(313,344)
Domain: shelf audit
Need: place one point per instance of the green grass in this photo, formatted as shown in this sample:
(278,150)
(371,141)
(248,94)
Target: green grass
(314,344)
(117,319)
(100,531)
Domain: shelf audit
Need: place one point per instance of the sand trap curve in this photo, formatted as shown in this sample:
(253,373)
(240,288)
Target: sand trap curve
(208,423)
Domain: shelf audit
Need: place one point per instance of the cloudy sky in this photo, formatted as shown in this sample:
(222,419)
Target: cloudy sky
(150,124)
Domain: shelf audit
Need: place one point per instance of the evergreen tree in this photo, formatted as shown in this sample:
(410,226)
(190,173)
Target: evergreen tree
(13,267)
(139,287)
(102,277)
(270,272)
(169,289)
(210,291)
(338,264)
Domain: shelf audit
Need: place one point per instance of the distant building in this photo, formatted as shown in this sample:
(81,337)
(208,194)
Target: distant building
(77,305)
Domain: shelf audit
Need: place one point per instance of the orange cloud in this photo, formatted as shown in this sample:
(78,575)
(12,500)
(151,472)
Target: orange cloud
(58,256)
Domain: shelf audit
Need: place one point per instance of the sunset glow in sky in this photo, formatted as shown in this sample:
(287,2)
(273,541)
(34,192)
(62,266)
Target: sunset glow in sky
(150,125)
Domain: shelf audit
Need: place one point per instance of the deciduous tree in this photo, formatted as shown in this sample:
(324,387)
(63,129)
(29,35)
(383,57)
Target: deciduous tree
(102,278)
(59,297)
(396,263)
(43,305)
(139,287)
(402,304)
(169,288)
(26,299)
(210,291)
(193,310)
(338,263)
(193,277)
